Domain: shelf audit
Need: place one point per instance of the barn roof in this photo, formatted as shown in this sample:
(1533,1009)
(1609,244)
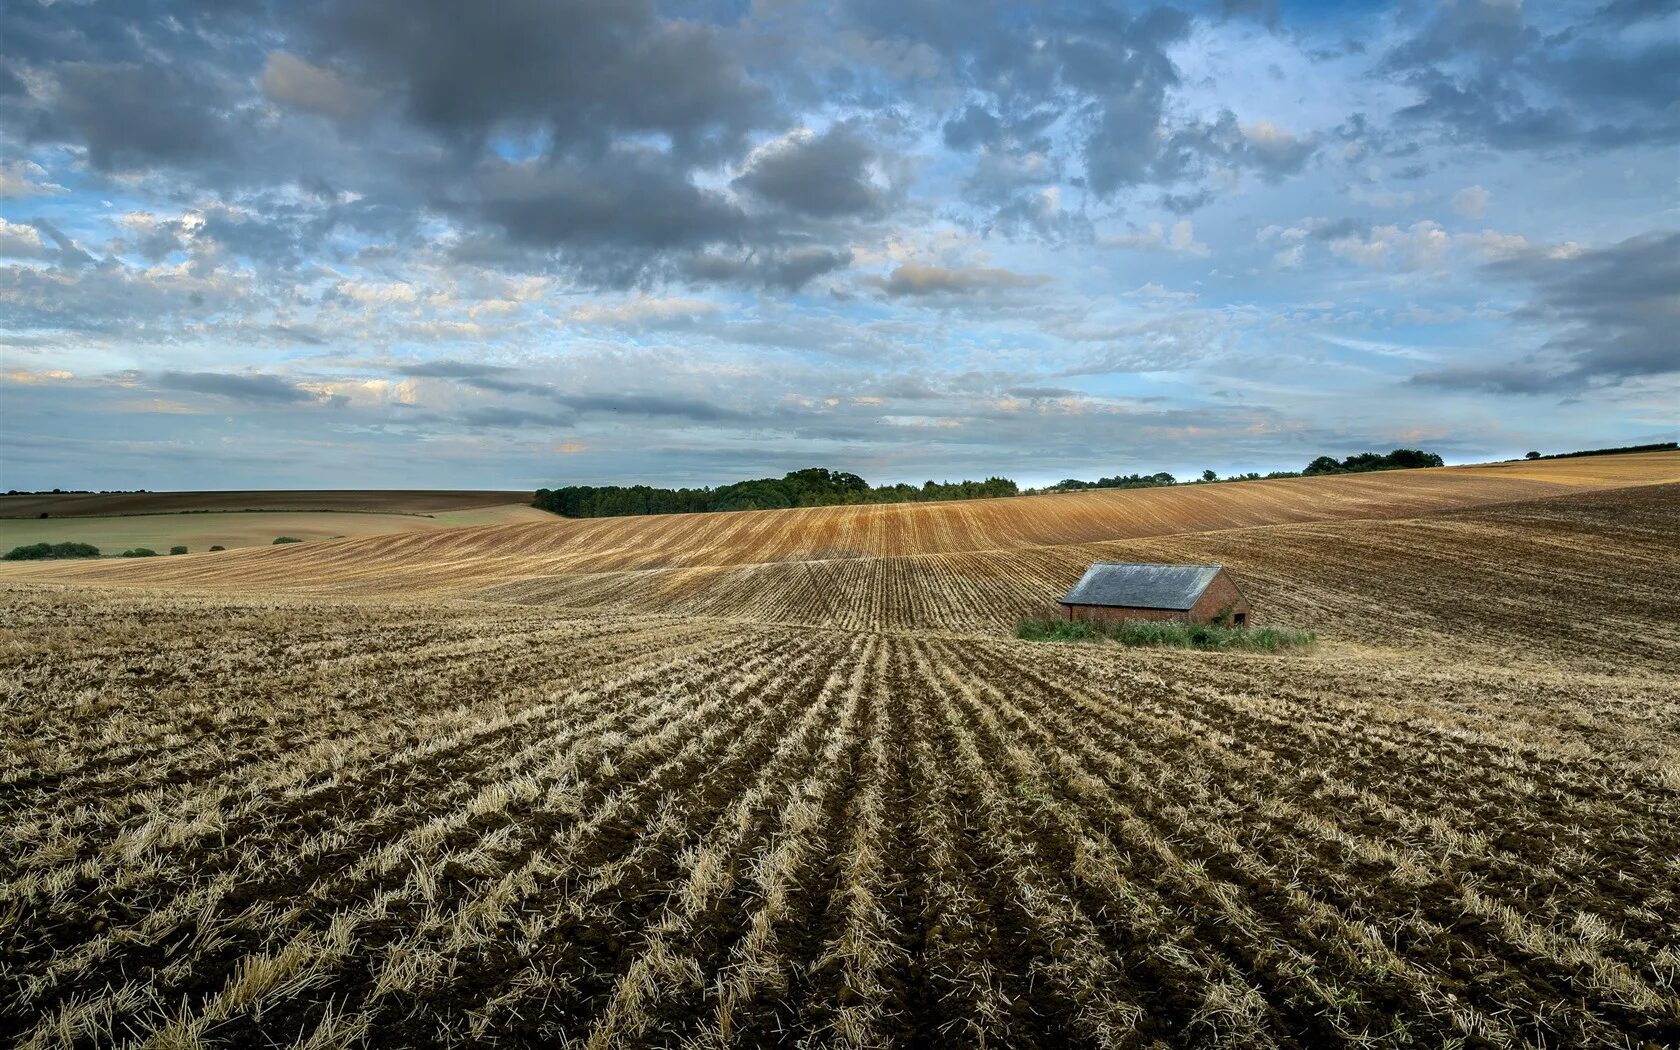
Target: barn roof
(1141,586)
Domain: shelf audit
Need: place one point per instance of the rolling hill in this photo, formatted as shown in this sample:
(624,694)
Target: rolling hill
(710,780)
(460,560)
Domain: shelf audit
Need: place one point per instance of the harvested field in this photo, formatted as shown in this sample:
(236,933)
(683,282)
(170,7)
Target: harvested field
(398,793)
(200,530)
(363,501)
(456,560)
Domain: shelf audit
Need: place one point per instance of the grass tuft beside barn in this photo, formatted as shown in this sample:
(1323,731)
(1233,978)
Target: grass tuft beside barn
(1165,634)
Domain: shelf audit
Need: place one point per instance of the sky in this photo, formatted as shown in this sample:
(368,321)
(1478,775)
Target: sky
(429,244)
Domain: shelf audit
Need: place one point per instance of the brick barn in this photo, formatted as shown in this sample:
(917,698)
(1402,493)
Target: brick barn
(1139,591)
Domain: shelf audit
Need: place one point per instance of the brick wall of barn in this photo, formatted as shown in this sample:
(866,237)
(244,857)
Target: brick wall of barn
(1111,613)
(1220,593)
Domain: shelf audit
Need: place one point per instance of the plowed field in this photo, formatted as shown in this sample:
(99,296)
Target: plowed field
(400,793)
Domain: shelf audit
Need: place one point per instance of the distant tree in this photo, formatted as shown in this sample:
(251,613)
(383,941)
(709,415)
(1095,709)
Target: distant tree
(218,547)
(139,552)
(1407,458)
(1532,455)
(286,539)
(44,551)
(177,549)
(1208,475)
(1323,465)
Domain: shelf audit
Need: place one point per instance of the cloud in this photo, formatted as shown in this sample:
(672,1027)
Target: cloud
(24,178)
(1481,72)
(699,224)
(1179,239)
(448,369)
(691,409)
(291,81)
(914,279)
(631,196)
(493,416)
(20,241)
(1471,201)
(1420,246)
(1039,393)
(643,310)
(585,73)
(1613,311)
(131,115)
(259,389)
(1518,377)
(787,270)
(824,176)
(1623,13)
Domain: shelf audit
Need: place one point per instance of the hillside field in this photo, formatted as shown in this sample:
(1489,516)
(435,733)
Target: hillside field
(200,530)
(364,501)
(785,778)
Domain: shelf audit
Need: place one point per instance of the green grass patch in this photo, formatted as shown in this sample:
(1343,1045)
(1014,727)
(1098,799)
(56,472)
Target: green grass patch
(1174,634)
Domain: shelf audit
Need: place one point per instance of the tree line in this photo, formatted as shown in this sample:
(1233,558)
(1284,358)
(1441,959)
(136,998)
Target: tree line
(812,487)
(1399,459)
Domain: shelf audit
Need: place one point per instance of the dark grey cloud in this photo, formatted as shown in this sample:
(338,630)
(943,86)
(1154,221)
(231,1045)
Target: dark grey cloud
(1623,13)
(1041,392)
(583,72)
(687,408)
(496,416)
(1615,311)
(449,369)
(258,388)
(783,270)
(133,115)
(973,127)
(1484,74)
(824,176)
(1185,203)
(1526,376)
(499,379)
(630,197)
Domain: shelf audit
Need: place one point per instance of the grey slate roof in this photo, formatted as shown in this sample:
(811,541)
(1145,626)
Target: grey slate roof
(1141,585)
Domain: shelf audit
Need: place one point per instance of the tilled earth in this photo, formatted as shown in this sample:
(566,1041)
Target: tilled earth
(236,821)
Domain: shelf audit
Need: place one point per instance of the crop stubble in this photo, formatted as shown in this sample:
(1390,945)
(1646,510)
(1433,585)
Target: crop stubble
(302,820)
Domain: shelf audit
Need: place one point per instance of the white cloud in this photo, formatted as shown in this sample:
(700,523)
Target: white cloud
(1161,293)
(20,241)
(1423,245)
(643,309)
(1179,239)
(1471,201)
(25,178)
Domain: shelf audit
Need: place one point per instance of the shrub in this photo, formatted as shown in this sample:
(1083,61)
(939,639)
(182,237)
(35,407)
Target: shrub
(218,547)
(178,549)
(287,539)
(44,551)
(139,552)
(1169,633)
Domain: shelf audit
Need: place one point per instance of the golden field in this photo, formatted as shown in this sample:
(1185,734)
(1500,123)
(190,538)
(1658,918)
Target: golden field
(117,521)
(785,778)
